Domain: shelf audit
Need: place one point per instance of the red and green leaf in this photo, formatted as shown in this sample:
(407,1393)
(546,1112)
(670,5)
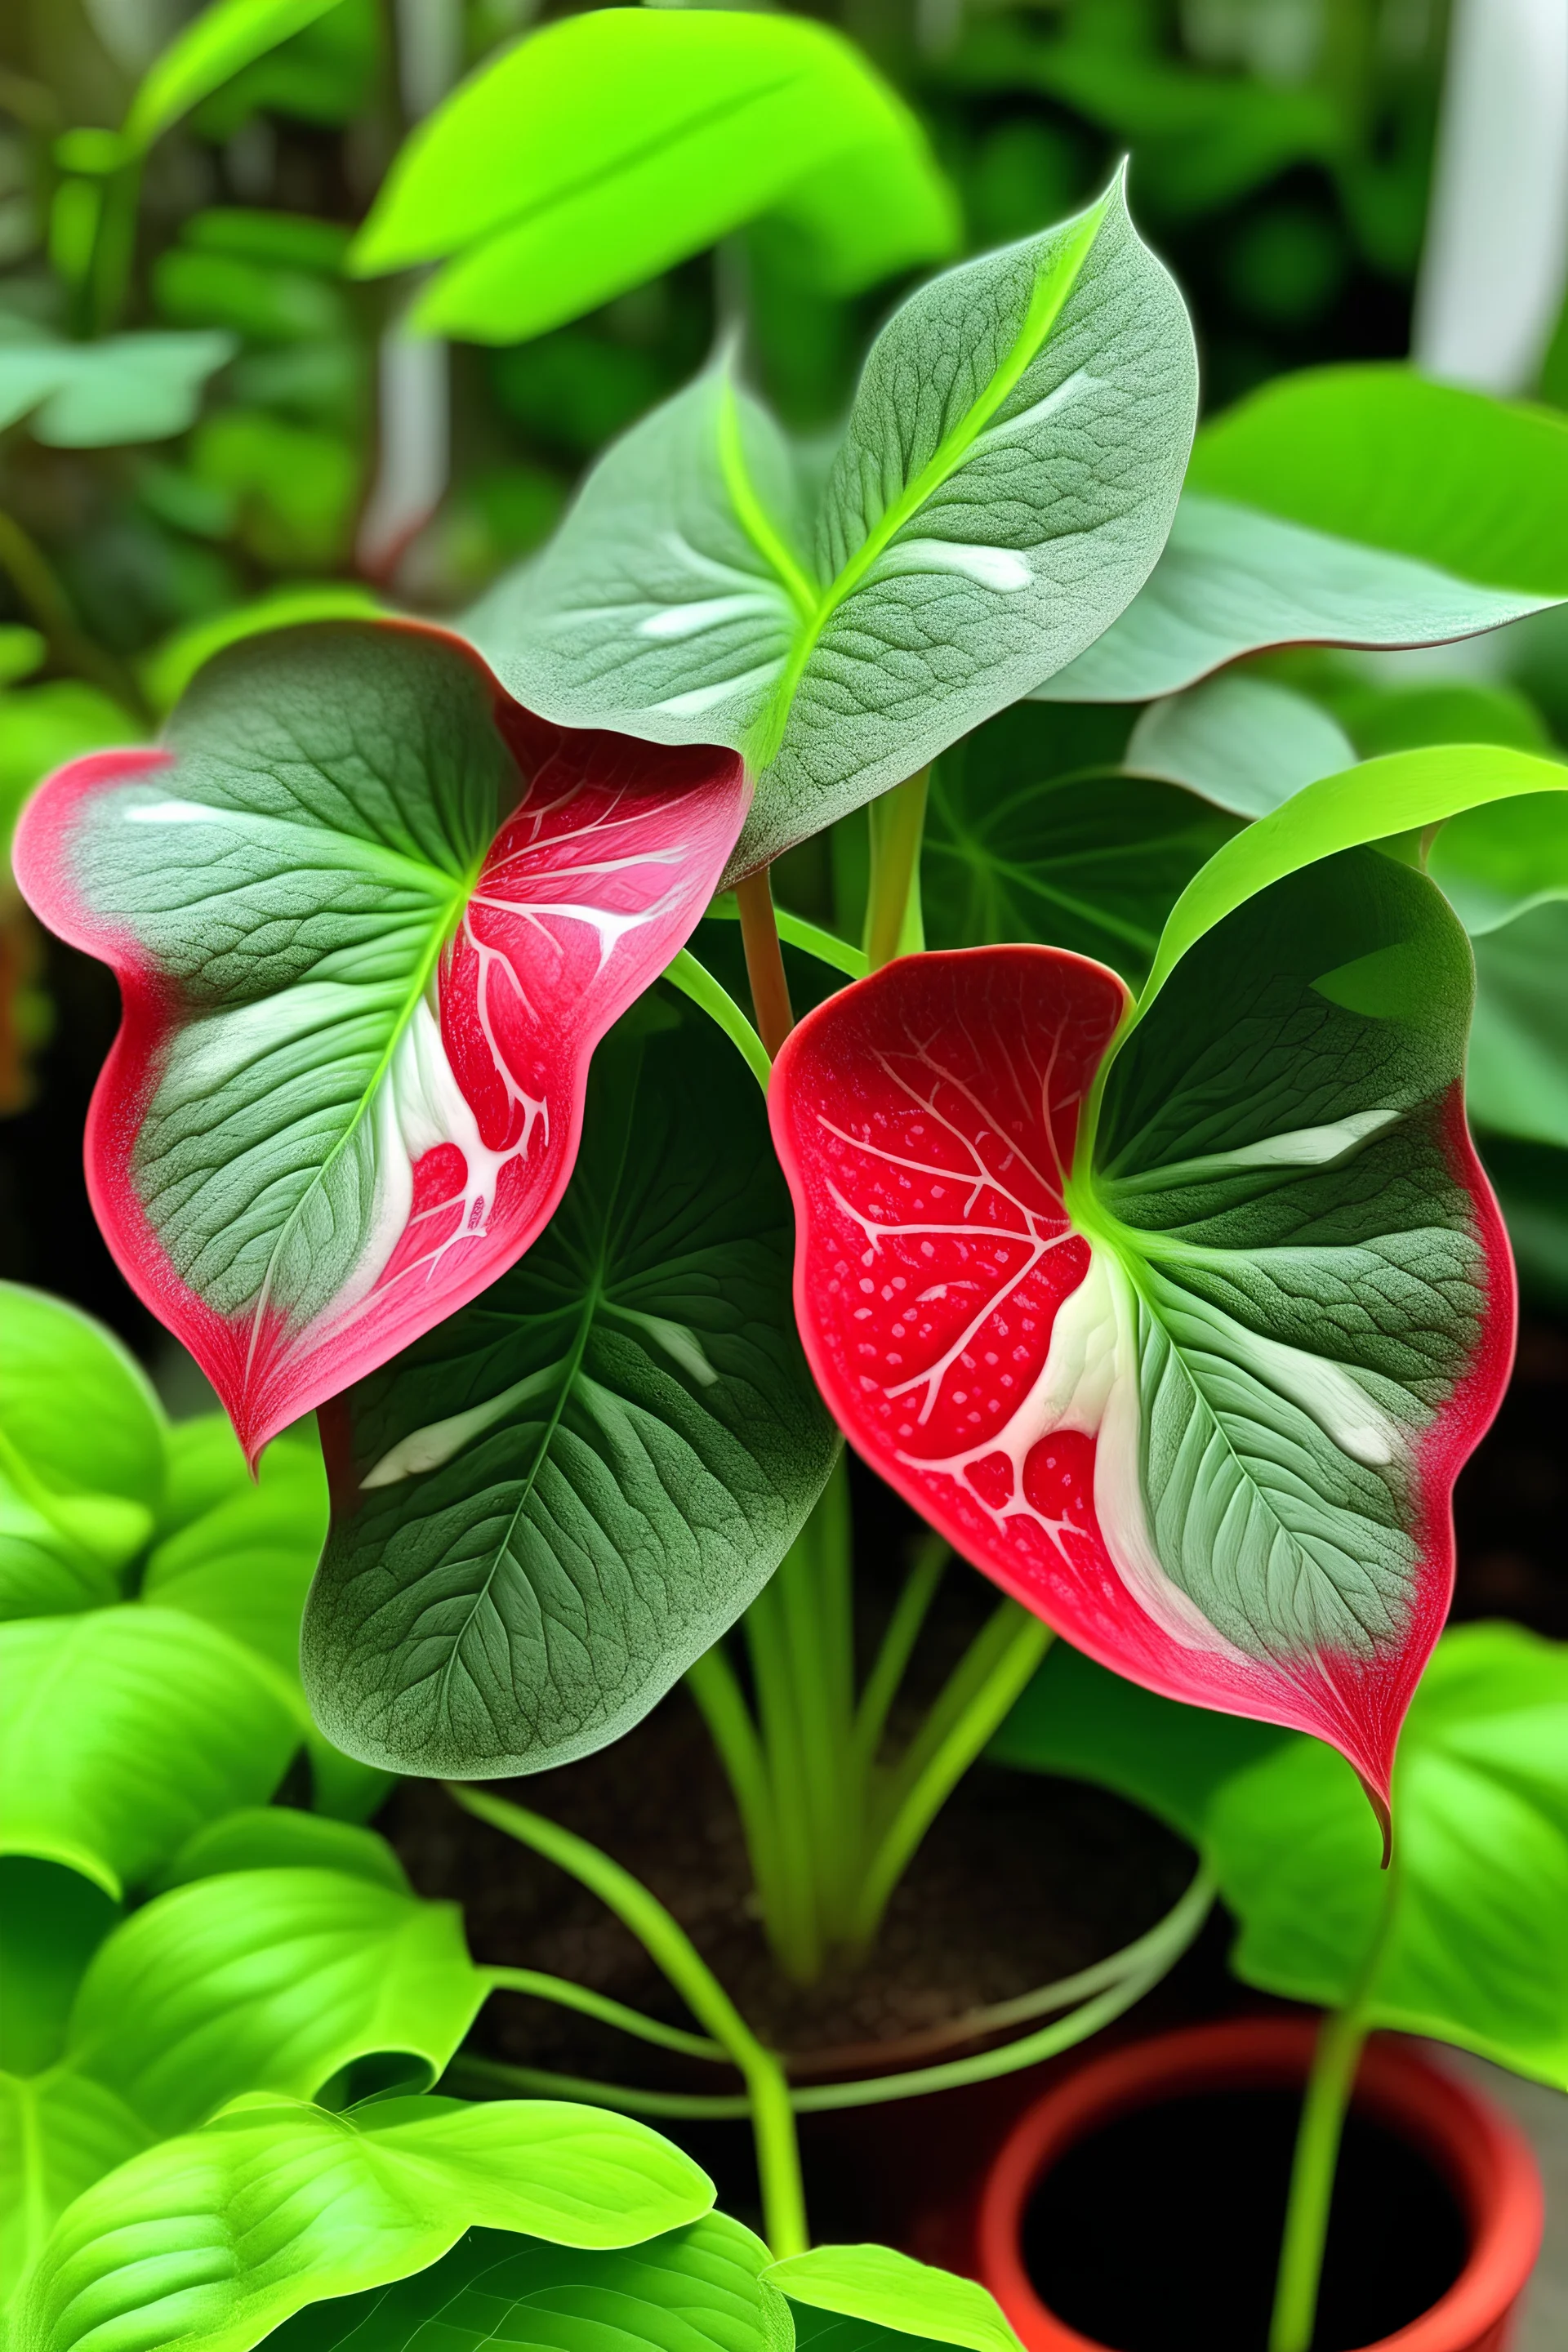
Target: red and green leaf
(370,919)
(1179,1329)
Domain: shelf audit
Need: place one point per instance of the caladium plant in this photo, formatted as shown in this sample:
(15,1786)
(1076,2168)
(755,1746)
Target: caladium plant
(1003,484)
(1179,1324)
(370,919)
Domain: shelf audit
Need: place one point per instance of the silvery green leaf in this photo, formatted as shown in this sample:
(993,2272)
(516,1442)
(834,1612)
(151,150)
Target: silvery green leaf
(1356,505)
(1244,743)
(1005,486)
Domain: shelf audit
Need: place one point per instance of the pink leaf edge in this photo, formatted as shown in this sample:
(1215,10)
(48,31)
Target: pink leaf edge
(593,883)
(926,1119)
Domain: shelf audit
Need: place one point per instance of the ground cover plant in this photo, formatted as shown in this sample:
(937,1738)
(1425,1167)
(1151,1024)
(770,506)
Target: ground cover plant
(1114,1196)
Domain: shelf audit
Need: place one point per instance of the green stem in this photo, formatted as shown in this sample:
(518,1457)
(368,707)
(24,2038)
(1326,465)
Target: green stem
(715,1687)
(772,2118)
(795,1925)
(1328,2087)
(695,981)
(893,921)
(1157,1952)
(1341,2038)
(567,1995)
(898,1645)
(825,946)
(978,1694)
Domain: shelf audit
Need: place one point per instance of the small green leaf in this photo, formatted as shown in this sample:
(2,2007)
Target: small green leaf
(564,1495)
(1005,481)
(1475,1912)
(122,389)
(692,2289)
(874,2284)
(1245,743)
(227,35)
(123,1730)
(602,150)
(81,1458)
(272,1981)
(216,2238)
(1092,862)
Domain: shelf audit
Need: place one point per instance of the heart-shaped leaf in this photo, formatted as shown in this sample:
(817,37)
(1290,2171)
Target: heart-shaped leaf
(272,1981)
(1473,1919)
(370,921)
(81,1458)
(1190,1373)
(215,2239)
(1321,510)
(300,1980)
(608,146)
(692,2289)
(126,1729)
(1004,484)
(549,1507)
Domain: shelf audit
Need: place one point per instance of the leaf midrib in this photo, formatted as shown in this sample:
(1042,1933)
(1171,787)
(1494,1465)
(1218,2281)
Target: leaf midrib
(427,965)
(1052,287)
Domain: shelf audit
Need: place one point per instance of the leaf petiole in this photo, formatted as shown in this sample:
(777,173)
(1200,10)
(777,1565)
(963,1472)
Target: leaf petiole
(667,1943)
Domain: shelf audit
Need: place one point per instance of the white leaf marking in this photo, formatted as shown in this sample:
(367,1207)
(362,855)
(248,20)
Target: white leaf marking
(427,1449)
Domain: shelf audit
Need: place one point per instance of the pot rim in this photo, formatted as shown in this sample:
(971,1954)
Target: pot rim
(1480,2151)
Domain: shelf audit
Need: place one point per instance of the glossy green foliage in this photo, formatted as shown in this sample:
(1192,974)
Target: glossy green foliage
(123,1730)
(81,1459)
(886,2299)
(1006,480)
(1463,1936)
(303,1980)
(565,1493)
(327,2205)
(1464,1939)
(1319,511)
(697,2289)
(106,1507)
(1400,793)
(596,152)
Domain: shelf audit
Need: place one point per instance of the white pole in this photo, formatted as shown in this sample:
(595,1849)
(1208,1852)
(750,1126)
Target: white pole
(1496,256)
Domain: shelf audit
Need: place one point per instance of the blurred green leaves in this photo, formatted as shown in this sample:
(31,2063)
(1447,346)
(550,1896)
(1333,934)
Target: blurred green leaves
(595,153)
(100,396)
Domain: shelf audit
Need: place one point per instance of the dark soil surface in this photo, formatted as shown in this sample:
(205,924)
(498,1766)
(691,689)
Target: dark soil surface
(1021,1880)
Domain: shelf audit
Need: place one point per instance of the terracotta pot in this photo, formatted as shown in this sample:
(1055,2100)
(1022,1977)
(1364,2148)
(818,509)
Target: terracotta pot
(1485,2161)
